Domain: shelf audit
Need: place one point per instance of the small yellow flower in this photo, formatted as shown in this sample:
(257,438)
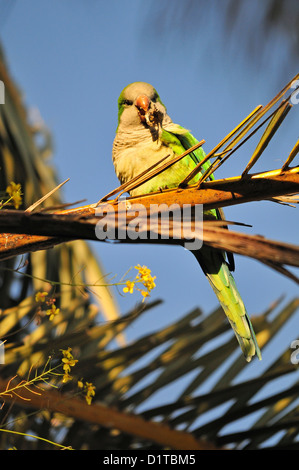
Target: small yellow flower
(149,283)
(90,392)
(80,384)
(129,287)
(144,276)
(14,191)
(67,353)
(17,200)
(143,272)
(13,188)
(145,294)
(68,361)
(66,378)
(40,296)
(52,312)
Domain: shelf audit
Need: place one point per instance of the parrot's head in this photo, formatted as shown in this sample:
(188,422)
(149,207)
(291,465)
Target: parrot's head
(140,105)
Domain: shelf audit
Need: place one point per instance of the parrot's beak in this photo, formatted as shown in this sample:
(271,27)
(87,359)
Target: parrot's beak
(142,103)
(148,112)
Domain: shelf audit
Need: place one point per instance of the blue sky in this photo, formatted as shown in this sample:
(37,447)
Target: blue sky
(72,59)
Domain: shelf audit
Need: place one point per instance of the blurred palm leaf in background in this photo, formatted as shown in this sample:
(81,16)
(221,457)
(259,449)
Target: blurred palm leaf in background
(25,149)
(197,356)
(250,29)
(24,153)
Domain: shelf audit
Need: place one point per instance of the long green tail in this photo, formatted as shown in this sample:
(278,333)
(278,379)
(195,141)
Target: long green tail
(216,269)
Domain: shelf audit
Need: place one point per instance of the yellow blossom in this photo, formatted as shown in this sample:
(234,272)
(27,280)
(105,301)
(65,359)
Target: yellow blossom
(145,294)
(149,283)
(143,272)
(129,287)
(66,378)
(67,353)
(13,188)
(52,312)
(143,277)
(89,389)
(80,384)
(14,191)
(40,296)
(68,361)
(90,392)
(67,364)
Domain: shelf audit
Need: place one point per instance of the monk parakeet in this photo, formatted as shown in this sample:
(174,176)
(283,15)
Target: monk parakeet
(145,134)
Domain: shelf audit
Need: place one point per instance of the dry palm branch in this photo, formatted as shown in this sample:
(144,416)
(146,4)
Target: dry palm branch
(39,230)
(123,380)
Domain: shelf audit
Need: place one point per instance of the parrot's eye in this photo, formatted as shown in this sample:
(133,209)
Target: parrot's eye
(155,97)
(127,102)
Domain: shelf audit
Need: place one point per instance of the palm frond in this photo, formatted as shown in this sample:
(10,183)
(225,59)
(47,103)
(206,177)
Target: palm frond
(197,345)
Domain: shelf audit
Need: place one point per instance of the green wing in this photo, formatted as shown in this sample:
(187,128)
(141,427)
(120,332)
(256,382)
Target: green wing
(213,262)
(180,139)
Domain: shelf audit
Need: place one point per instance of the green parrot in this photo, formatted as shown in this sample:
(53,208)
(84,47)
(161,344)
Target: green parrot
(146,134)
